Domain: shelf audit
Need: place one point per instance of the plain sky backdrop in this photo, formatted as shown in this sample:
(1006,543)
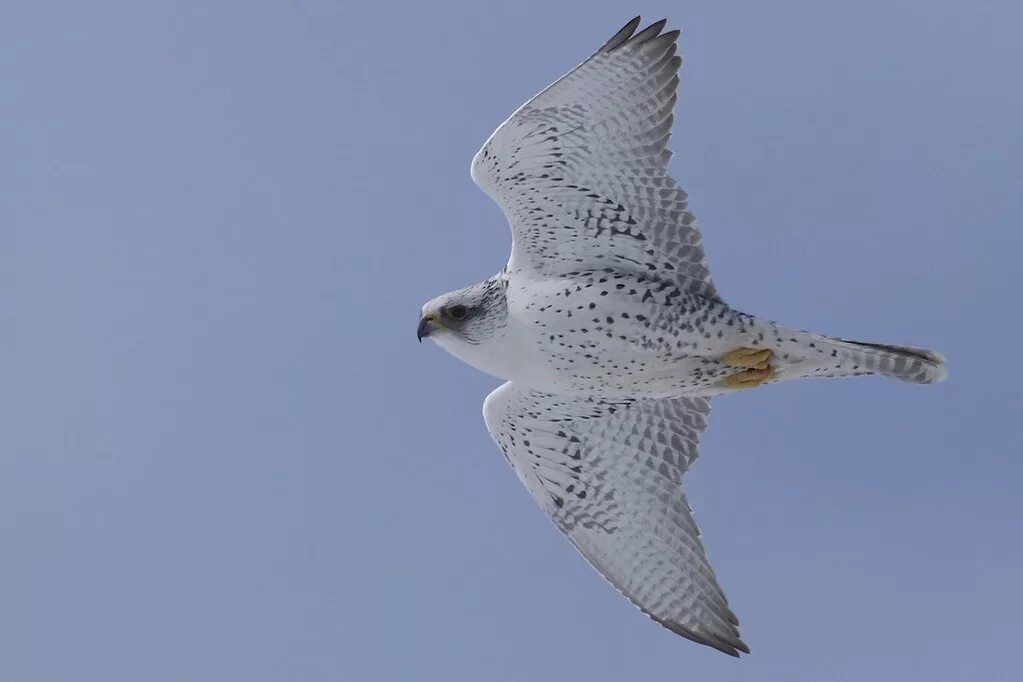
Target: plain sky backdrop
(223,456)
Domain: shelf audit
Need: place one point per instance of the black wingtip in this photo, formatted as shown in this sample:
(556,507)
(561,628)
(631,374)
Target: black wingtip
(650,36)
(623,35)
(651,31)
(732,646)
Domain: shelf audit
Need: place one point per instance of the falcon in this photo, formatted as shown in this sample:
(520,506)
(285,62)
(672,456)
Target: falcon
(610,334)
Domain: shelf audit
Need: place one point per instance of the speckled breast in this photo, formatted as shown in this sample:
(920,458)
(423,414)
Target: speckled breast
(620,334)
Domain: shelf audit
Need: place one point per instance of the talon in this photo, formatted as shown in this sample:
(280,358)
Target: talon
(750,378)
(750,358)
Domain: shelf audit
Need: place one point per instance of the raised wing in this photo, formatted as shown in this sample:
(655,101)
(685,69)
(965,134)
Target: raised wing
(609,474)
(580,171)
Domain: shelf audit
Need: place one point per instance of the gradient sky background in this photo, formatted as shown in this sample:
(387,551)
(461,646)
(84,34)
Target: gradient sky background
(224,457)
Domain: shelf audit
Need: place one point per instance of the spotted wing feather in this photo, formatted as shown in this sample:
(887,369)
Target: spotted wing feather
(580,171)
(609,474)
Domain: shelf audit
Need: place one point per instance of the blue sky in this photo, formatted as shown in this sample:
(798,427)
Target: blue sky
(224,457)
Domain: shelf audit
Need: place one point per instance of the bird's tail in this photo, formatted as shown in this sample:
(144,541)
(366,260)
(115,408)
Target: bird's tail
(828,356)
(905,363)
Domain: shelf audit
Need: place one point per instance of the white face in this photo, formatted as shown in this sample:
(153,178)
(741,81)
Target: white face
(452,316)
(469,323)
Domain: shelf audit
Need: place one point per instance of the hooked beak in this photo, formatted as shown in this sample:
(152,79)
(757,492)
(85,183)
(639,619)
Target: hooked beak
(427,325)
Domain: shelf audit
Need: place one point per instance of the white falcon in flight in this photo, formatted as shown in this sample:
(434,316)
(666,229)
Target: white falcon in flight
(611,335)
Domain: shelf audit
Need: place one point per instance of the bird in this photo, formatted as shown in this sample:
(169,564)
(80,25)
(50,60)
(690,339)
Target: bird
(611,336)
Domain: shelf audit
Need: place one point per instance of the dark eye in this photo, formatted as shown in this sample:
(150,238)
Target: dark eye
(457,312)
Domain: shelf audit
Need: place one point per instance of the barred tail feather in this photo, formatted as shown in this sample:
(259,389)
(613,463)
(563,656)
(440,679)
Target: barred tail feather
(905,363)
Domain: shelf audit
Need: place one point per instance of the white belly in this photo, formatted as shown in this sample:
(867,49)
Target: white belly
(614,335)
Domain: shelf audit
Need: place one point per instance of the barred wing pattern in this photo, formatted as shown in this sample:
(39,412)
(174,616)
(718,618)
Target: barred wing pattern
(609,474)
(580,170)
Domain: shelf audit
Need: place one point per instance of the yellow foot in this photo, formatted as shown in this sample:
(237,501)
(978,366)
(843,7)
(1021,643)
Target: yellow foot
(751,358)
(750,378)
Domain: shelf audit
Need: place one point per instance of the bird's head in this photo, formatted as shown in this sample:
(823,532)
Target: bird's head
(469,316)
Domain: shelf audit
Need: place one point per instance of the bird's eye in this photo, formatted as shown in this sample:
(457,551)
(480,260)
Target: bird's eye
(457,312)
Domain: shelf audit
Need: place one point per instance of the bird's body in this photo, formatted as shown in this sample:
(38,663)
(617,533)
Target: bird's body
(611,335)
(606,334)
(616,335)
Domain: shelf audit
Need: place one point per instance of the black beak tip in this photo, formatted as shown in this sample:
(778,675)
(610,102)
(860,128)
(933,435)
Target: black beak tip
(423,330)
